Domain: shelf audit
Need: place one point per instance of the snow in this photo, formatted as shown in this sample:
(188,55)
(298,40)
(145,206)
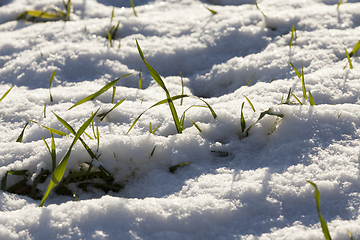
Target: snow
(258,190)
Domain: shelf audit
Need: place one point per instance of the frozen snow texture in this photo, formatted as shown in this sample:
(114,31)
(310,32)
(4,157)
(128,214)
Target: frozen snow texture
(258,190)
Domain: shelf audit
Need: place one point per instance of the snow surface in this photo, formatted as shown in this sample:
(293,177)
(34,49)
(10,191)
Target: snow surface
(258,191)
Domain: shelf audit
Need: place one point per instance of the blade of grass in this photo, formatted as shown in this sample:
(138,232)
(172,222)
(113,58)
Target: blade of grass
(133,7)
(109,37)
(349,60)
(340,2)
(251,105)
(250,79)
(356,47)
(6,93)
(293,34)
(152,152)
(45,110)
(311,99)
(259,8)
(160,82)
(151,130)
(197,127)
(296,71)
(103,115)
(262,114)
(60,169)
(212,11)
(113,95)
(20,138)
(351,238)
(322,221)
(58,132)
(303,81)
(51,80)
(296,98)
(98,93)
(242,118)
(174,168)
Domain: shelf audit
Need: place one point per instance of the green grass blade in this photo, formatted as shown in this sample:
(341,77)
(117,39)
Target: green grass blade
(303,81)
(242,118)
(262,114)
(197,127)
(212,11)
(68,127)
(109,37)
(133,7)
(42,174)
(348,57)
(152,152)
(251,105)
(140,81)
(60,169)
(47,146)
(311,99)
(103,115)
(356,47)
(112,15)
(350,235)
(296,71)
(58,132)
(45,110)
(45,15)
(20,138)
(160,82)
(340,2)
(51,80)
(296,98)
(272,80)
(174,168)
(98,93)
(250,79)
(322,221)
(293,34)
(259,8)
(68,9)
(113,95)
(53,151)
(7,92)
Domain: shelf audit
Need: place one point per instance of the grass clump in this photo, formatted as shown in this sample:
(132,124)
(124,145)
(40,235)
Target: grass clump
(49,13)
(301,76)
(349,55)
(179,123)
(113,29)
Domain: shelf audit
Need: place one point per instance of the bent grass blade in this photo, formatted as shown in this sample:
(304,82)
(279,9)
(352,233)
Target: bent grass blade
(251,105)
(51,80)
(58,132)
(60,169)
(263,115)
(20,138)
(159,81)
(322,221)
(349,60)
(6,93)
(98,93)
(103,115)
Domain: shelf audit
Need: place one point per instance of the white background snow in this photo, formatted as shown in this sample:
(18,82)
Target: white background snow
(258,191)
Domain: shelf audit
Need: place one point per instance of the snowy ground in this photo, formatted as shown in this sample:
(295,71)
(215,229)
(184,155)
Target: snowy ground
(258,190)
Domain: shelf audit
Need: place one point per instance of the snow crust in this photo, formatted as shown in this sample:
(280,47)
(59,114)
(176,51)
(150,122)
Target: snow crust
(258,190)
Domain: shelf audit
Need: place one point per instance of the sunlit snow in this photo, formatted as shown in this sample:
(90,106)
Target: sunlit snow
(235,187)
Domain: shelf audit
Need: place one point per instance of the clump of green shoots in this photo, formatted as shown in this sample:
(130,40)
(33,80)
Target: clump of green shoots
(356,47)
(113,29)
(49,13)
(179,123)
(245,130)
(301,76)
